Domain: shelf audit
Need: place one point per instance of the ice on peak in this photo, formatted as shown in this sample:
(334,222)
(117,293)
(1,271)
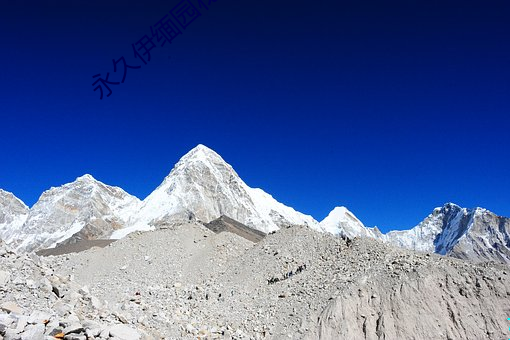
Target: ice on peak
(341,221)
(11,196)
(340,211)
(453,206)
(200,152)
(203,186)
(86,178)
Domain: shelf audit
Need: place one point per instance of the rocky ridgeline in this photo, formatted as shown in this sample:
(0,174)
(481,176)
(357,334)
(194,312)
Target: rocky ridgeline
(185,282)
(37,303)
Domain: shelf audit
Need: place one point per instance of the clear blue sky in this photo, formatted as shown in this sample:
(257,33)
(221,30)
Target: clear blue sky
(390,108)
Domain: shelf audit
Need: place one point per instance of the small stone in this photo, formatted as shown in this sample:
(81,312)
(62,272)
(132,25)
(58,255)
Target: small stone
(11,307)
(105,333)
(4,277)
(190,329)
(75,337)
(74,328)
(93,332)
(38,317)
(45,285)
(54,332)
(72,320)
(123,332)
(62,309)
(31,284)
(95,303)
(84,291)
(33,332)
(90,324)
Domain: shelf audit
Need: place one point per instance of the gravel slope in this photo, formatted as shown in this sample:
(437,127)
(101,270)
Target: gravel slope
(187,282)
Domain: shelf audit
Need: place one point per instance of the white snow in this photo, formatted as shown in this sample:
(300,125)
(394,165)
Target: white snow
(342,222)
(204,185)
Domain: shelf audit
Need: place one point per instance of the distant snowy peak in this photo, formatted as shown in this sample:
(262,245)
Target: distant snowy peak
(342,222)
(13,213)
(476,234)
(202,186)
(83,209)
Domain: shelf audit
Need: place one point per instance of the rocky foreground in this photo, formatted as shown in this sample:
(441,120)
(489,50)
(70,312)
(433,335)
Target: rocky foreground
(186,282)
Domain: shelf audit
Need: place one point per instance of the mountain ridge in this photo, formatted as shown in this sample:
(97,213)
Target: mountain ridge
(203,187)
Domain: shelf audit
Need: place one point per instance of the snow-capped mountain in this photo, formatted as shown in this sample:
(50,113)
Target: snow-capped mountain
(474,234)
(83,209)
(13,213)
(342,222)
(203,187)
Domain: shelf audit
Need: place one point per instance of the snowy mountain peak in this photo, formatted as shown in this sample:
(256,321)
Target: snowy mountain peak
(13,213)
(86,178)
(342,222)
(465,233)
(11,198)
(200,154)
(202,186)
(83,209)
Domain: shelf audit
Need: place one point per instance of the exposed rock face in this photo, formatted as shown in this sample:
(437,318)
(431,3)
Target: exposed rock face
(84,209)
(225,223)
(203,187)
(440,302)
(13,213)
(473,234)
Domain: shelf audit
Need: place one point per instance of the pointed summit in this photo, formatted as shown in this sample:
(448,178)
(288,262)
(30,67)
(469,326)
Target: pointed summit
(341,221)
(201,148)
(86,178)
(203,187)
(13,213)
(200,154)
(474,234)
(83,209)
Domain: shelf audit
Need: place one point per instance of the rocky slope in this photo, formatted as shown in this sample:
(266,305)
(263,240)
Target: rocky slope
(84,209)
(186,282)
(36,303)
(13,213)
(226,224)
(203,187)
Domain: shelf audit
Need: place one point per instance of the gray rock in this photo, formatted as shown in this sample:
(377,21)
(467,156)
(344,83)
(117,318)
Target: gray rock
(33,332)
(123,332)
(75,337)
(11,334)
(38,317)
(4,277)
(11,307)
(74,328)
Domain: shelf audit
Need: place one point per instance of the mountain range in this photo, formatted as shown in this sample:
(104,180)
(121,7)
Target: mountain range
(203,187)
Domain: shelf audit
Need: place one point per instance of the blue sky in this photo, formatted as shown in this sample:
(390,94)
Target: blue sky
(389,108)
